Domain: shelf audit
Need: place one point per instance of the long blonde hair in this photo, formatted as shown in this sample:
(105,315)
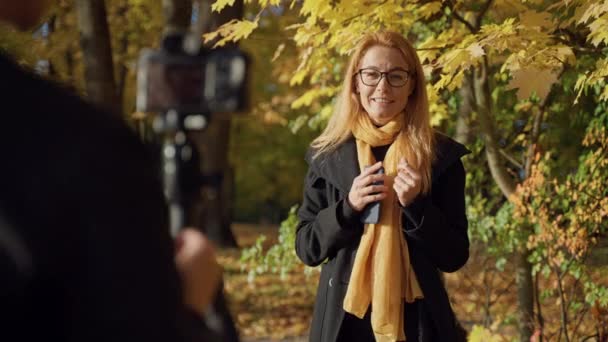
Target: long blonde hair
(417,132)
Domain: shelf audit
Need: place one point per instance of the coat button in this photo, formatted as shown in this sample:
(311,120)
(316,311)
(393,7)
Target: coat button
(331,282)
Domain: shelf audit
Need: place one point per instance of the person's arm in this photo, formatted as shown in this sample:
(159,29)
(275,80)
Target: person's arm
(323,228)
(439,224)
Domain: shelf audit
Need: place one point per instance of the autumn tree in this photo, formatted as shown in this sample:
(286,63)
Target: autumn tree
(483,50)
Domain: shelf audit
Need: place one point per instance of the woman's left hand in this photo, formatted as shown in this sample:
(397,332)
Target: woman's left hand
(408,183)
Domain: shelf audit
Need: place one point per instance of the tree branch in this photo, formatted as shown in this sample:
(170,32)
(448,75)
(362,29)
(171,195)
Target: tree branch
(458,17)
(510,159)
(483,12)
(562,297)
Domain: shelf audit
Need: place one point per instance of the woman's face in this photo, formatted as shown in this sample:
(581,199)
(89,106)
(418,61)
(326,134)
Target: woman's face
(389,96)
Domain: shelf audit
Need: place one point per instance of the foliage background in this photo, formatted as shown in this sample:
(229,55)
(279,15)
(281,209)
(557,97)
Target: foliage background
(521,82)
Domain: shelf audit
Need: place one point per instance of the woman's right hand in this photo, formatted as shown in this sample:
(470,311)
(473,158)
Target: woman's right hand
(363,190)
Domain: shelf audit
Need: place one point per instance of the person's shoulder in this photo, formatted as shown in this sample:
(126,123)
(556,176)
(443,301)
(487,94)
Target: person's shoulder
(39,97)
(46,111)
(446,146)
(447,153)
(315,158)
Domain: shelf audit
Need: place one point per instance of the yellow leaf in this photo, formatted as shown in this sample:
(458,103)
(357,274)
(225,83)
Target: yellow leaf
(476,50)
(565,53)
(437,108)
(265,3)
(429,9)
(591,10)
(456,81)
(536,19)
(298,77)
(530,80)
(278,51)
(455,59)
(599,31)
(481,334)
(315,8)
(311,95)
(232,31)
(218,5)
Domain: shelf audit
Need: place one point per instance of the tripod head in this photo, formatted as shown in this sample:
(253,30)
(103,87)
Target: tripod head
(202,81)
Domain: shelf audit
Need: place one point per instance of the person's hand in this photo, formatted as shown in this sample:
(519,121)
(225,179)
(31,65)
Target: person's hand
(200,272)
(363,191)
(408,183)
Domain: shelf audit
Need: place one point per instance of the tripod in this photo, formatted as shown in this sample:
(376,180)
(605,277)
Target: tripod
(180,169)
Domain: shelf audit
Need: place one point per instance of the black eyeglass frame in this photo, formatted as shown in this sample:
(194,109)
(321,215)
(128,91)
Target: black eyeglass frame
(385,75)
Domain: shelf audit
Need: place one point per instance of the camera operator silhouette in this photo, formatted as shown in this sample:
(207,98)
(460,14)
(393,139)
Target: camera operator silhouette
(85,249)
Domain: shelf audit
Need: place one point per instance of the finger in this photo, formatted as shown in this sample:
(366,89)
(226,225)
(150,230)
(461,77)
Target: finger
(379,178)
(403,187)
(400,191)
(371,169)
(414,173)
(370,179)
(407,178)
(398,187)
(402,163)
(192,242)
(373,198)
(373,189)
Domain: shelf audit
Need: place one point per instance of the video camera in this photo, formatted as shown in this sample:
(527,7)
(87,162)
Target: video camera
(188,79)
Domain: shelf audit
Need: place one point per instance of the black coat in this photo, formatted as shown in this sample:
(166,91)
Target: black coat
(435,227)
(82,204)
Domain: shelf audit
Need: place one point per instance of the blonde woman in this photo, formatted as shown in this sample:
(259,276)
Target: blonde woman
(380,274)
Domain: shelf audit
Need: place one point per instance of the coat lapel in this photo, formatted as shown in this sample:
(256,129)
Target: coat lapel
(447,151)
(340,167)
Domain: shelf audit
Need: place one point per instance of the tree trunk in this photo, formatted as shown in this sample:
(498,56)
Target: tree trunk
(525,294)
(463,122)
(483,104)
(123,71)
(97,54)
(525,285)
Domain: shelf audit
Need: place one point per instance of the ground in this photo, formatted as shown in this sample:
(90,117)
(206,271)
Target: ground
(272,309)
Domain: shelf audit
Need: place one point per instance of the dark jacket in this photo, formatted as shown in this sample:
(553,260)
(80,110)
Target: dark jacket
(435,227)
(82,200)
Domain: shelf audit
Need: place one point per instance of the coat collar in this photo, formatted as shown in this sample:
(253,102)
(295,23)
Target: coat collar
(341,166)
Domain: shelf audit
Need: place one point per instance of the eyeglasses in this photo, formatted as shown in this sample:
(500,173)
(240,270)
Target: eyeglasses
(396,78)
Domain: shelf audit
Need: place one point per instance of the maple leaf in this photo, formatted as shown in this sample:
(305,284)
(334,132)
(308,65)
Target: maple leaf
(530,80)
(427,10)
(476,50)
(598,30)
(220,4)
(536,19)
(232,31)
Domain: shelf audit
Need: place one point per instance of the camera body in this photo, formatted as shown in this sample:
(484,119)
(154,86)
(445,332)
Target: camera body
(200,82)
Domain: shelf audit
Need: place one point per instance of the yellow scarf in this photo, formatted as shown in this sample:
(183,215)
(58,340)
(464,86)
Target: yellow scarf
(382,274)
